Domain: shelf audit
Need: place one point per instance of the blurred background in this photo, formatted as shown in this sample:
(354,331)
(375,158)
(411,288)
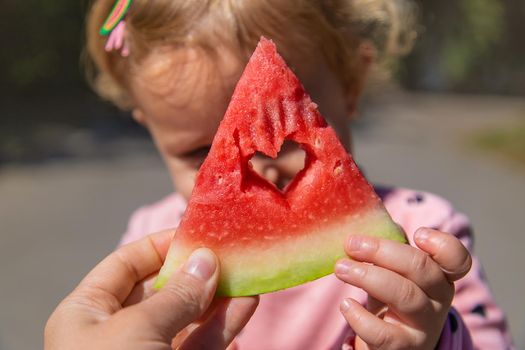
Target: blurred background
(73,168)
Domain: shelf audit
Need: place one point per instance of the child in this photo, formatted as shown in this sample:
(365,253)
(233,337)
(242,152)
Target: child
(174,64)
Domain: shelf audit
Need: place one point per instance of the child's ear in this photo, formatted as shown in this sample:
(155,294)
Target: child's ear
(139,116)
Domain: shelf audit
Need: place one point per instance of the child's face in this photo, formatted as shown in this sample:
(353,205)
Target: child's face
(182,110)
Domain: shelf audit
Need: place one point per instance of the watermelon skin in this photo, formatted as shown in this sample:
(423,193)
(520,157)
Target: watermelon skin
(267,239)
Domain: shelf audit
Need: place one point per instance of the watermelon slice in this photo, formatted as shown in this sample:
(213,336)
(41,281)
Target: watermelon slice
(267,239)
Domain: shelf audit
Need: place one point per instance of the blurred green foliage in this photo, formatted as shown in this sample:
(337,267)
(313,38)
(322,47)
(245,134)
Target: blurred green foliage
(480,29)
(469,46)
(506,141)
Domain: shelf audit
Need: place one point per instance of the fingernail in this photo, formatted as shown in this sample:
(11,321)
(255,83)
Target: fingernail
(360,244)
(345,305)
(342,267)
(201,264)
(348,267)
(422,235)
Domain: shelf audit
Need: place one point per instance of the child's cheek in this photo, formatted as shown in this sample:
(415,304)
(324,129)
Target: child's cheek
(183,177)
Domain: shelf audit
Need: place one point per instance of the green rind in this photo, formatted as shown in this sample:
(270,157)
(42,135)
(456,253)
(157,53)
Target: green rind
(296,275)
(160,281)
(313,265)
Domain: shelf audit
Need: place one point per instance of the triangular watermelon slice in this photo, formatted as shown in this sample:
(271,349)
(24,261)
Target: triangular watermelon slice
(267,239)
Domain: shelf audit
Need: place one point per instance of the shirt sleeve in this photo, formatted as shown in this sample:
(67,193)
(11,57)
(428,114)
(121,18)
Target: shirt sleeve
(455,335)
(473,300)
(474,314)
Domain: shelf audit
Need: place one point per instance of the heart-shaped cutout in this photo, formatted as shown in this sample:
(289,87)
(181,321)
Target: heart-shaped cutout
(283,169)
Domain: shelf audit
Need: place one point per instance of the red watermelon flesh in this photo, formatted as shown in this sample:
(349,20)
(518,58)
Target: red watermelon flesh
(267,239)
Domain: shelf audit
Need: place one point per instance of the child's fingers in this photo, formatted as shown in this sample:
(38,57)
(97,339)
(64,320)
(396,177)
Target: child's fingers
(229,318)
(378,334)
(407,261)
(403,296)
(376,307)
(445,249)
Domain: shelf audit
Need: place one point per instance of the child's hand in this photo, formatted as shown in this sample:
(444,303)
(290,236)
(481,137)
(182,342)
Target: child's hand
(93,316)
(410,290)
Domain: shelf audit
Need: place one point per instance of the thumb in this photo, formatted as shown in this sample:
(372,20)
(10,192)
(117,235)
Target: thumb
(182,300)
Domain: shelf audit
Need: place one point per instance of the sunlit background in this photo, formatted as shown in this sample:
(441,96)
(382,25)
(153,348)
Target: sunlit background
(72,169)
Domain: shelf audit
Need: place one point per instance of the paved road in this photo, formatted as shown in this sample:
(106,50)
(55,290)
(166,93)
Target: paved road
(59,218)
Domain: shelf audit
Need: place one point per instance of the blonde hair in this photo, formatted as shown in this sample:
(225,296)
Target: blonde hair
(346,33)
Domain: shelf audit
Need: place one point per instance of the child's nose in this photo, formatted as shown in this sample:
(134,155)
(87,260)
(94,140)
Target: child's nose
(269,169)
(275,173)
(271,173)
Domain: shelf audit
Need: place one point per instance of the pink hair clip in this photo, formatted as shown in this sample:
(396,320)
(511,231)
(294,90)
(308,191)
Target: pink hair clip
(117,40)
(115,26)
